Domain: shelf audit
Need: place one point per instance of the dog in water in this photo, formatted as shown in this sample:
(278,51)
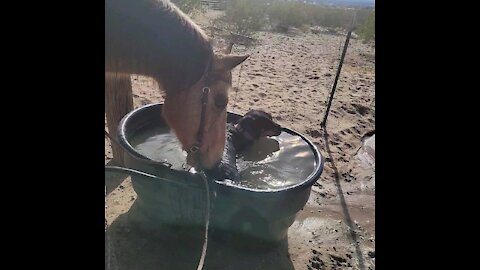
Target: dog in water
(252,126)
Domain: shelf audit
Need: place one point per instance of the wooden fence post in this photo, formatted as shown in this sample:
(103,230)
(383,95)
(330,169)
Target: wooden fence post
(118,102)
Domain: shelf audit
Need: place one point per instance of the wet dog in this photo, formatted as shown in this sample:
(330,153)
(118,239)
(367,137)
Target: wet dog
(252,126)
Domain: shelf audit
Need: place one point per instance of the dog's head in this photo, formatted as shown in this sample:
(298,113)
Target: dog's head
(257,124)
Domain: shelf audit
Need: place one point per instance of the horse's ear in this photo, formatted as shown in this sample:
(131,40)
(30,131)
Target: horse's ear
(228,49)
(228,62)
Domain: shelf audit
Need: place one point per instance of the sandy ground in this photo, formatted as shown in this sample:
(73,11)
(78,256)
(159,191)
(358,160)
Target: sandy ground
(290,75)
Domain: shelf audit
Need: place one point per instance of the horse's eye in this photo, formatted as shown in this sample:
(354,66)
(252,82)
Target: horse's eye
(221,101)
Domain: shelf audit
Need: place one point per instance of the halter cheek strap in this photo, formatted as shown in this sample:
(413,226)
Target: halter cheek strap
(194,149)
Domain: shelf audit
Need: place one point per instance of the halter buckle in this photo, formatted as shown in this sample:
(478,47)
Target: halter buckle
(194,149)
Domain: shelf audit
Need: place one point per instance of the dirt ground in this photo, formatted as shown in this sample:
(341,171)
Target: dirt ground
(290,76)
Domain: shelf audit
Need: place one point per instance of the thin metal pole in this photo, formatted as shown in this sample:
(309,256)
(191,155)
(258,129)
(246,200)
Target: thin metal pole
(334,87)
(344,52)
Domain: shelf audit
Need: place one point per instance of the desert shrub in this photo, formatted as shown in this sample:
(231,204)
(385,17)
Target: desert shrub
(362,15)
(367,29)
(331,17)
(188,6)
(245,16)
(283,15)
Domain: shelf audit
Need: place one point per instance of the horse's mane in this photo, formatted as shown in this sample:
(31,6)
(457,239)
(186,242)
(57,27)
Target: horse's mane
(154,38)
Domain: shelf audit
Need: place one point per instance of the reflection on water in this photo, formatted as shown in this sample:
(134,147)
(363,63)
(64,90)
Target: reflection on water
(160,144)
(270,163)
(276,162)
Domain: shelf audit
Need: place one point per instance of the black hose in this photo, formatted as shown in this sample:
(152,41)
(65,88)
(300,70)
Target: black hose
(143,174)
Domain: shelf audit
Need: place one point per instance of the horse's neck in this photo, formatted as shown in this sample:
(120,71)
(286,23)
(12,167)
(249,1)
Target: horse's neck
(150,37)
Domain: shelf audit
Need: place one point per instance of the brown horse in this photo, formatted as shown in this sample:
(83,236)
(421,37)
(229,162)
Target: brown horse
(154,38)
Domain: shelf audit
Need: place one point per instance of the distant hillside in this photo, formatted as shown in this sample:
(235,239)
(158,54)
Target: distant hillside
(348,3)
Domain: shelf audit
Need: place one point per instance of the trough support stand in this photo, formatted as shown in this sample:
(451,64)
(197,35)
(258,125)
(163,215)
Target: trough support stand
(334,87)
(118,102)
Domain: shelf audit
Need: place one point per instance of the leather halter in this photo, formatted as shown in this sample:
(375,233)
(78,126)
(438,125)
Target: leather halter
(201,130)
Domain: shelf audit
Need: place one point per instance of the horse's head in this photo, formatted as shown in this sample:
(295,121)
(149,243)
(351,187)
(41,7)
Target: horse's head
(183,111)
